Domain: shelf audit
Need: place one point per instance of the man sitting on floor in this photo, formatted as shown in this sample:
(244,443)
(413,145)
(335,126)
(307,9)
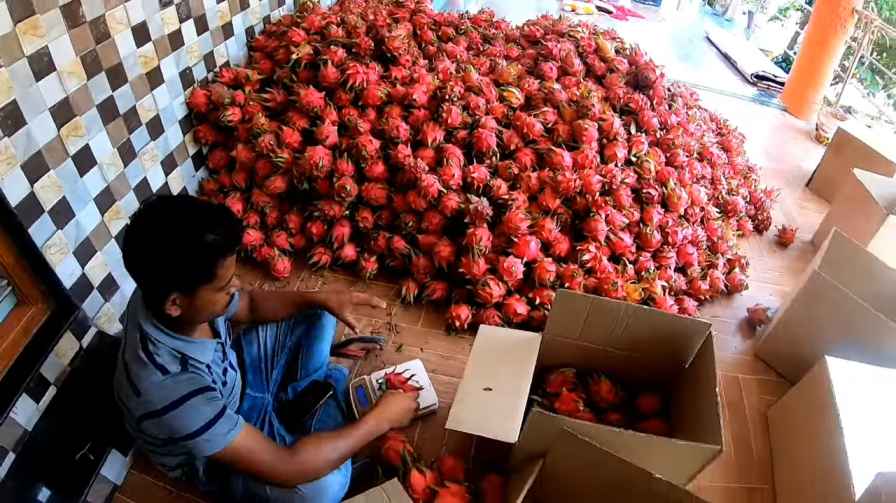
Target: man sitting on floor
(211,406)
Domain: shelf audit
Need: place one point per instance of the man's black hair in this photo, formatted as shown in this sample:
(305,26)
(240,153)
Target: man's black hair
(174,244)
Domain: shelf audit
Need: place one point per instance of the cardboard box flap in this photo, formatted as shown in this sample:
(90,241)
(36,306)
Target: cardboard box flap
(882,188)
(866,420)
(624,327)
(854,210)
(884,242)
(671,458)
(808,455)
(881,490)
(387,492)
(879,142)
(697,414)
(576,469)
(522,481)
(813,322)
(851,147)
(839,259)
(491,398)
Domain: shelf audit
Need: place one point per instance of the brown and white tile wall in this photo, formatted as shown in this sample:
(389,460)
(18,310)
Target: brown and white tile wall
(92,122)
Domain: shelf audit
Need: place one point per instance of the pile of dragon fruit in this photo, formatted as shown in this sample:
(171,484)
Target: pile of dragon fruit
(484,164)
(596,397)
(443,481)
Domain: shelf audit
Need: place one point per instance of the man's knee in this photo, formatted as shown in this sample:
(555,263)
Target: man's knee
(329,488)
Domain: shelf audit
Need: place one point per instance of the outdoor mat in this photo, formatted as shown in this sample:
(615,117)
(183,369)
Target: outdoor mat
(752,64)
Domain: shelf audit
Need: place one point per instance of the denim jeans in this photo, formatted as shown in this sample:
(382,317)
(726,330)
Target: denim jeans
(278,361)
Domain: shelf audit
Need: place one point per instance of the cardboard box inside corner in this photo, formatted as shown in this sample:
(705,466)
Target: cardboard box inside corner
(573,469)
(831,435)
(636,344)
(390,491)
(881,490)
(864,210)
(577,469)
(844,305)
(853,146)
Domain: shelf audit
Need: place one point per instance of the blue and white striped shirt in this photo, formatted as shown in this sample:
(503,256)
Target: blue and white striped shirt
(179,394)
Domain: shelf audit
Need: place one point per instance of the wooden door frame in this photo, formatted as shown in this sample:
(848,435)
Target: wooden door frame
(44,311)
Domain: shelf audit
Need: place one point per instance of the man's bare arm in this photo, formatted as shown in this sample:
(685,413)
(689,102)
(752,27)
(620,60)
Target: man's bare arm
(262,306)
(317,454)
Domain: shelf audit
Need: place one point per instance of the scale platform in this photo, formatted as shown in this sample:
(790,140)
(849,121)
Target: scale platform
(366,390)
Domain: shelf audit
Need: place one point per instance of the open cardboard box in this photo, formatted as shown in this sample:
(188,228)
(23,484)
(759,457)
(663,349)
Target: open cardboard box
(577,469)
(390,491)
(851,147)
(636,344)
(844,305)
(573,469)
(832,435)
(863,210)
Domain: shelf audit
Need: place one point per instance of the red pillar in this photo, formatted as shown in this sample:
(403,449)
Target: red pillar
(825,39)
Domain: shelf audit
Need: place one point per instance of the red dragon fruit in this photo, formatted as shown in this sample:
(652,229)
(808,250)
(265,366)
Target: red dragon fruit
(444,254)
(542,296)
(199,100)
(409,289)
(252,238)
(311,100)
(485,142)
(280,240)
(515,309)
(758,315)
(320,257)
(237,203)
(436,291)
(527,248)
(515,223)
(737,281)
(281,266)
(511,270)
(489,291)
(489,316)
(459,317)
(347,254)
(499,158)
(368,266)
(218,159)
(786,235)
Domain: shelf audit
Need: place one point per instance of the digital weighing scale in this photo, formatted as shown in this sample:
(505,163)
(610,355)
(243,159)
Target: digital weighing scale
(366,390)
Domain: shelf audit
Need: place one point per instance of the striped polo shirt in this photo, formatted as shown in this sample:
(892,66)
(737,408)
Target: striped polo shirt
(179,394)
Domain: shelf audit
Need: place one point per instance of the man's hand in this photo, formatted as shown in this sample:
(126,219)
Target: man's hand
(395,409)
(317,454)
(339,304)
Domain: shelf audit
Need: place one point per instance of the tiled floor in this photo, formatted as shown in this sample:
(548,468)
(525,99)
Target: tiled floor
(776,141)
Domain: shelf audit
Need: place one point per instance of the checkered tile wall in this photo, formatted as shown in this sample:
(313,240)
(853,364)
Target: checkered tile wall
(92,122)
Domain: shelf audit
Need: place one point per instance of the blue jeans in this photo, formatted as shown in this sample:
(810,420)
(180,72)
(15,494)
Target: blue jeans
(279,360)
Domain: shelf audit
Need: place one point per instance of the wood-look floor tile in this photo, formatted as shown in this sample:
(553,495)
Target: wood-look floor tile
(138,487)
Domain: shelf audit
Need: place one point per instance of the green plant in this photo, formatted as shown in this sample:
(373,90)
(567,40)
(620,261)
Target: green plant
(783,61)
(788,9)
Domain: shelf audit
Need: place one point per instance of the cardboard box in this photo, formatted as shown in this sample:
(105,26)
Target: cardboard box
(881,490)
(636,344)
(853,146)
(863,210)
(577,469)
(567,473)
(844,305)
(390,491)
(832,434)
